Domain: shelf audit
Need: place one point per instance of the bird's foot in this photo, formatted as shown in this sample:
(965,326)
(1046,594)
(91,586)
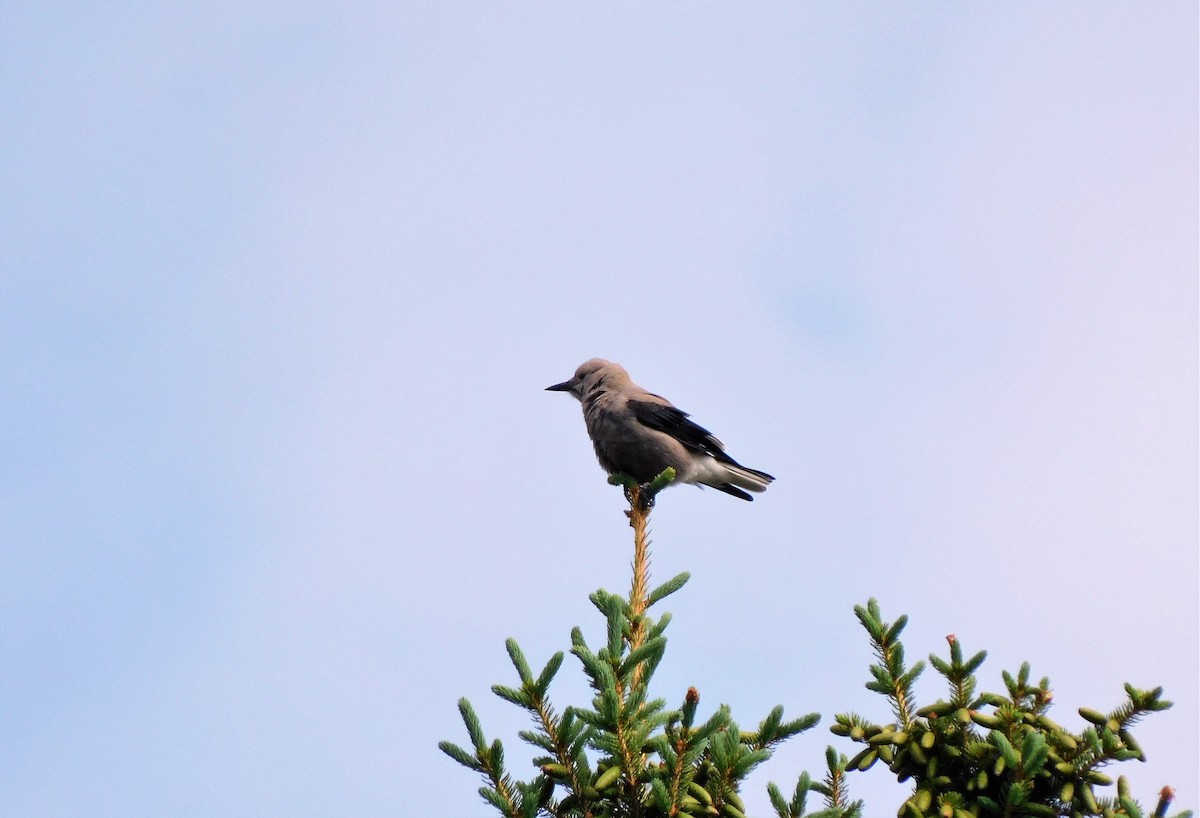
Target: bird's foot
(641,495)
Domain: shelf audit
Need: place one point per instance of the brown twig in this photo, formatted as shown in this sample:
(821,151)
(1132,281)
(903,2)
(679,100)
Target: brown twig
(639,518)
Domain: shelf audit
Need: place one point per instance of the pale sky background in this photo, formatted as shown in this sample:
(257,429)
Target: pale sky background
(282,285)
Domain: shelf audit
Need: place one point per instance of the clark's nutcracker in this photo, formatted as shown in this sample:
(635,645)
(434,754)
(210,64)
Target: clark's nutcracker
(639,433)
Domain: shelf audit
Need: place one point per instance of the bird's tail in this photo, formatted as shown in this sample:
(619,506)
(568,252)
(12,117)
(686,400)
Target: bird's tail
(750,479)
(733,475)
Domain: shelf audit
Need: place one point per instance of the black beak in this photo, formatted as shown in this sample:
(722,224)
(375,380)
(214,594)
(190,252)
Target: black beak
(565,386)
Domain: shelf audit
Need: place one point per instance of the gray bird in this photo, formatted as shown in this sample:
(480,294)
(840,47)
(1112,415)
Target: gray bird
(639,433)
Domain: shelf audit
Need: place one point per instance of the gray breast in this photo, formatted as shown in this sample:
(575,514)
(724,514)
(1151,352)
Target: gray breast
(621,443)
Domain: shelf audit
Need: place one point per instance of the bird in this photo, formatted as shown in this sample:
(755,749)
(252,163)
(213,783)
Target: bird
(640,434)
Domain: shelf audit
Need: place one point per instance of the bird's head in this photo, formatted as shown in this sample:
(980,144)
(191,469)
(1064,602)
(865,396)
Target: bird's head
(594,374)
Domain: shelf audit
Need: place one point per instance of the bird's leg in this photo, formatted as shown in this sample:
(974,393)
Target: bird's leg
(641,495)
(630,487)
(648,491)
(641,500)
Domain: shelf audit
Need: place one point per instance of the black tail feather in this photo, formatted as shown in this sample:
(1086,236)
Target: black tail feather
(729,488)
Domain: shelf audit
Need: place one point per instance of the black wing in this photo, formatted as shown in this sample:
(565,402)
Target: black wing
(675,422)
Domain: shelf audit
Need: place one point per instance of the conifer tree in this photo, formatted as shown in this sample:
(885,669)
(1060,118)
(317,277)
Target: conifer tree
(628,755)
(993,754)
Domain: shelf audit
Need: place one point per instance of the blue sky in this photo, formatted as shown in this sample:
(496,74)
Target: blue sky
(280,288)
